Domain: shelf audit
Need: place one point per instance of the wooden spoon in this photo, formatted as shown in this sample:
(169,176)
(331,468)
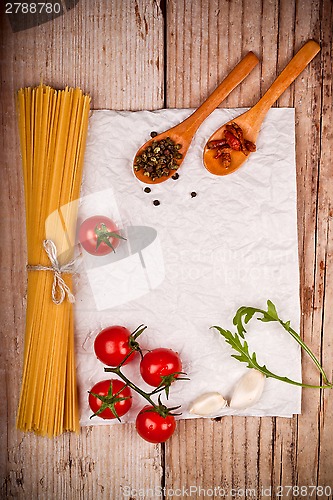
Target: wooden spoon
(250,122)
(183,132)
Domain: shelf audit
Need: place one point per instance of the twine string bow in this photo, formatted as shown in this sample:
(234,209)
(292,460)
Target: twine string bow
(59,288)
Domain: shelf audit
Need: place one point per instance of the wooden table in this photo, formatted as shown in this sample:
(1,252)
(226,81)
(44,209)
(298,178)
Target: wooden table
(145,54)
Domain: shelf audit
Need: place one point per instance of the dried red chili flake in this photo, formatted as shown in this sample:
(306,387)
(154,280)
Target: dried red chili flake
(216,144)
(223,149)
(250,146)
(237,132)
(226,159)
(233,140)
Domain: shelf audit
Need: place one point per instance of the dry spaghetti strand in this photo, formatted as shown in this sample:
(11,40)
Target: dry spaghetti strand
(53,128)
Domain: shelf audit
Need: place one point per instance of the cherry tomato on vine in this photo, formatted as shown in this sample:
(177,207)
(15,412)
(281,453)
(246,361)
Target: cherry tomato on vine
(113,344)
(99,235)
(110,399)
(153,427)
(159,363)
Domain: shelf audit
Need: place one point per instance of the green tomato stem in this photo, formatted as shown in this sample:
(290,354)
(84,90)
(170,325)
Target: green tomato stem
(157,390)
(125,358)
(135,388)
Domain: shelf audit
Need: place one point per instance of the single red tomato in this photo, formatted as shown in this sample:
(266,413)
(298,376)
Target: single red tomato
(159,363)
(99,235)
(106,399)
(153,427)
(112,345)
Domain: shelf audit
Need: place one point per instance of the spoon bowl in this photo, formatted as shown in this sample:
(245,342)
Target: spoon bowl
(250,131)
(176,136)
(183,132)
(250,122)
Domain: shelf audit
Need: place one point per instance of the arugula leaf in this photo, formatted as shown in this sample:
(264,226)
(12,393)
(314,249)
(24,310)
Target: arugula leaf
(272,315)
(242,317)
(244,356)
(248,312)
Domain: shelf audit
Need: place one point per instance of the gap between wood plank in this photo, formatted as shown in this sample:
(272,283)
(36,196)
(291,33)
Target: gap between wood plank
(163,8)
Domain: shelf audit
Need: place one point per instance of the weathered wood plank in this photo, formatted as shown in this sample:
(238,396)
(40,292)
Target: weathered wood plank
(260,453)
(115,52)
(202,48)
(325,237)
(282,49)
(308,103)
(112,51)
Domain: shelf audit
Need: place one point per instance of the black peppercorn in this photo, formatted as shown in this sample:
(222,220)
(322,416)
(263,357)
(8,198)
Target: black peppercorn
(158,159)
(156,203)
(147,190)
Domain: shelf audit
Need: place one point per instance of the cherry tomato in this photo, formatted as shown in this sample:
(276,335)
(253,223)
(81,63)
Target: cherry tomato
(159,363)
(153,427)
(112,345)
(111,398)
(99,235)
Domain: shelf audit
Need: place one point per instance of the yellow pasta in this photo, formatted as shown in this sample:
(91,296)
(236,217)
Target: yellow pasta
(53,129)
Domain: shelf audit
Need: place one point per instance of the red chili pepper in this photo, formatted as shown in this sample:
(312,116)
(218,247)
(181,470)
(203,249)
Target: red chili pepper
(233,142)
(250,146)
(216,144)
(225,160)
(223,149)
(218,153)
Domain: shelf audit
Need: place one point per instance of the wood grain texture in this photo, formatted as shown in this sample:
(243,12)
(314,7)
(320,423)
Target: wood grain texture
(144,54)
(260,453)
(111,52)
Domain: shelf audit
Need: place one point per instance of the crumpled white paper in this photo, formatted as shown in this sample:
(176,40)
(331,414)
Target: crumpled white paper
(190,262)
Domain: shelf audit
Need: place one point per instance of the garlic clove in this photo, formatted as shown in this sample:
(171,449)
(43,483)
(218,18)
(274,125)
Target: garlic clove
(248,390)
(207,404)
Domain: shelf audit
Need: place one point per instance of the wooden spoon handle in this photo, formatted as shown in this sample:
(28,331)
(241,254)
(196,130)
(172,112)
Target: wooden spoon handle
(236,76)
(288,75)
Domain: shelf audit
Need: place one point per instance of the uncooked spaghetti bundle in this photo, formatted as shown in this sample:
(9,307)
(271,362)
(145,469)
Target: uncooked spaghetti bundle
(53,128)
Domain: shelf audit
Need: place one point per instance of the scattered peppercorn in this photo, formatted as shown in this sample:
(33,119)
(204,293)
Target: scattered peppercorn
(153,134)
(175,176)
(156,203)
(159,158)
(147,190)
(193,194)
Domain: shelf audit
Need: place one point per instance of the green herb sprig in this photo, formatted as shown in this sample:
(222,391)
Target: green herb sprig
(237,341)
